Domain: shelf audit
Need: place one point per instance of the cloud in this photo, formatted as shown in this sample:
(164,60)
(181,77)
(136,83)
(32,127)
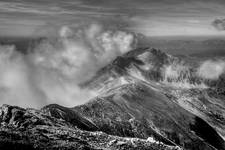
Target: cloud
(219,24)
(52,72)
(16,88)
(80,52)
(48,9)
(29,8)
(211,69)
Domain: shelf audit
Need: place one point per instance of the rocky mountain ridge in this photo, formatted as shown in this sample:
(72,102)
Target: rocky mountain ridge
(140,106)
(29,129)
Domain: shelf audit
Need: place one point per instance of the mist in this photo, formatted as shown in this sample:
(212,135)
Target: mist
(211,69)
(52,71)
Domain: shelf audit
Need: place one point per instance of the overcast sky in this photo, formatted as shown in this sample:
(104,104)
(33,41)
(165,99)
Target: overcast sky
(150,17)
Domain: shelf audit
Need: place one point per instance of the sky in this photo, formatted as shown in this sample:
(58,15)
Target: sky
(149,17)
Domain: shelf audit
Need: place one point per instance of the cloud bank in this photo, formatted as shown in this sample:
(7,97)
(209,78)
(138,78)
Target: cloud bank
(211,69)
(52,72)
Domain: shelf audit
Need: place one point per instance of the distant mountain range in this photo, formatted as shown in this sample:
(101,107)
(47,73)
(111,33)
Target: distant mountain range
(192,46)
(140,106)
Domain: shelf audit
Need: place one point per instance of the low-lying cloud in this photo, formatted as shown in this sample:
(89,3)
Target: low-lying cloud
(211,69)
(16,86)
(52,72)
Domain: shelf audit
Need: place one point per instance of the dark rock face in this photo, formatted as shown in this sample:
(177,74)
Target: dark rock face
(202,129)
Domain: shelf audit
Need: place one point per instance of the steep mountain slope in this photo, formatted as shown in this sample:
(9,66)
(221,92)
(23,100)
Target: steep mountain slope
(137,107)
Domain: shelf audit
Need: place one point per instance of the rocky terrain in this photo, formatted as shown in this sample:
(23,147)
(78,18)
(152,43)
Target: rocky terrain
(29,129)
(139,106)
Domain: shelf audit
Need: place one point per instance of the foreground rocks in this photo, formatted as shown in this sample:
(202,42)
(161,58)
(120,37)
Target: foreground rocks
(29,129)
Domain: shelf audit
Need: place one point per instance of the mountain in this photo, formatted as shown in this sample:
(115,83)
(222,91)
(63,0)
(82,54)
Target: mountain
(141,75)
(147,99)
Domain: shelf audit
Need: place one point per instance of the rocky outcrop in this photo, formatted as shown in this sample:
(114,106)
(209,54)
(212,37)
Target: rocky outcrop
(69,116)
(28,129)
